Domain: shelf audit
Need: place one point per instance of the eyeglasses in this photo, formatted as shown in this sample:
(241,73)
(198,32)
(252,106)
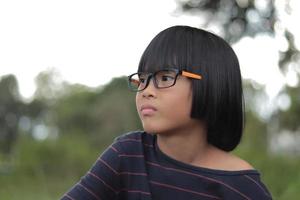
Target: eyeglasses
(162,79)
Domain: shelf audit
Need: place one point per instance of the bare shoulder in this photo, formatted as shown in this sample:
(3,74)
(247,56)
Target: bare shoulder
(238,164)
(230,162)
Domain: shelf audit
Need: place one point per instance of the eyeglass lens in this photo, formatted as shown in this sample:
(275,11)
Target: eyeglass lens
(162,79)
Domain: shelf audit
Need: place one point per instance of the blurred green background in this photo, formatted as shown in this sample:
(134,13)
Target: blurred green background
(49,142)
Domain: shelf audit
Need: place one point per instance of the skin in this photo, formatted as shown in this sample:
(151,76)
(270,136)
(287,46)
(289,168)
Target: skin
(166,112)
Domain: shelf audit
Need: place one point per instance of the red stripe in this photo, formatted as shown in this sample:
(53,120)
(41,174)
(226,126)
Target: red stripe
(184,190)
(148,145)
(204,177)
(135,140)
(134,173)
(89,191)
(248,177)
(135,191)
(120,173)
(130,139)
(131,155)
(66,195)
(108,166)
(97,177)
(113,148)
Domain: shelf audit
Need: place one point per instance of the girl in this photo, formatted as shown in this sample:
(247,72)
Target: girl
(190,102)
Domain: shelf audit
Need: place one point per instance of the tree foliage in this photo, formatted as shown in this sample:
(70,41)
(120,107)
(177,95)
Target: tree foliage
(79,121)
(235,19)
(87,120)
(289,119)
(10,111)
(239,18)
(100,114)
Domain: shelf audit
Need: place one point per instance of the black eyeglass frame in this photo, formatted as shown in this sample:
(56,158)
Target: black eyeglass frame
(150,75)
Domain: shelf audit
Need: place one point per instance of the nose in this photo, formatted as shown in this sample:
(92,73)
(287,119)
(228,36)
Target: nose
(150,90)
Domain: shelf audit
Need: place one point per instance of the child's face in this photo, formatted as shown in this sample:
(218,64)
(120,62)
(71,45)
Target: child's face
(166,110)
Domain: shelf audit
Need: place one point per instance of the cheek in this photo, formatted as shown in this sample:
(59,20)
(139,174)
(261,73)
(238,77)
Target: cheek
(180,103)
(137,101)
(179,107)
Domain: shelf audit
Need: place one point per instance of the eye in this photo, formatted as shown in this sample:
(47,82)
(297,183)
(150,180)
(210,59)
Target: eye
(142,80)
(167,78)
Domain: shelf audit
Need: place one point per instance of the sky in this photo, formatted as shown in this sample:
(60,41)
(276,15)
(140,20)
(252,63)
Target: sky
(92,41)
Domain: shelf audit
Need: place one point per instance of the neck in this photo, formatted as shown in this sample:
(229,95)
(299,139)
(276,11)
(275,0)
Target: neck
(188,146)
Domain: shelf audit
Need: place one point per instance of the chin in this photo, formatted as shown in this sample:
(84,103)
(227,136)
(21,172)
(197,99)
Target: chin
(149,128)
(154,129)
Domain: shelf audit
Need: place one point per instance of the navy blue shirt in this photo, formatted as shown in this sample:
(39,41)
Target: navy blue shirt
(133,168)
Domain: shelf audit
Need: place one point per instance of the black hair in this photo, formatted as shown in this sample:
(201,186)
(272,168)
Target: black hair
(218,96)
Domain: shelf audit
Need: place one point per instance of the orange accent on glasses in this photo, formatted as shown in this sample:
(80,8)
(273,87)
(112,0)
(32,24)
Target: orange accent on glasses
(191,75)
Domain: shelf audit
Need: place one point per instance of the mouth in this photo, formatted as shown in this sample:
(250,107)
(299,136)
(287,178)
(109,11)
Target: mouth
(147,110)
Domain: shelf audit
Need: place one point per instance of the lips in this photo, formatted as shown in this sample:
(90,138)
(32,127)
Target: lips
(147,110)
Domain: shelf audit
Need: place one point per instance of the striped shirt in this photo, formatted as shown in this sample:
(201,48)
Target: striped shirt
(133,167)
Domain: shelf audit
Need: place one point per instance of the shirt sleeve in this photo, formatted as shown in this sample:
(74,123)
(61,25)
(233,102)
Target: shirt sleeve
(259,190)
(101,181)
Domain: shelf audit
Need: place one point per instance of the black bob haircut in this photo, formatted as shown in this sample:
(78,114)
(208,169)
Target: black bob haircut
(218,96)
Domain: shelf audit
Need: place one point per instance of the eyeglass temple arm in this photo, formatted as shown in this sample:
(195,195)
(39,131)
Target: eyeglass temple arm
(191,75)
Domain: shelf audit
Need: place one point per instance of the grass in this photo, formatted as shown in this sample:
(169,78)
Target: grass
(46,170)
